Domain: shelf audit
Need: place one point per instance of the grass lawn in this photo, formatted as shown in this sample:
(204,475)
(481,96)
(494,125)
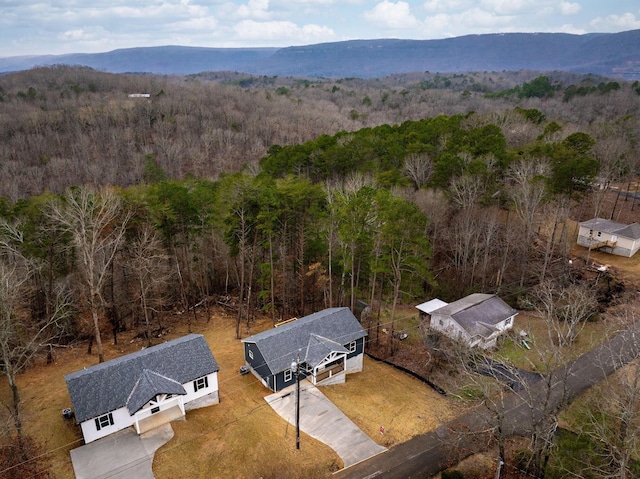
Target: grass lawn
(242,436)
(514,352)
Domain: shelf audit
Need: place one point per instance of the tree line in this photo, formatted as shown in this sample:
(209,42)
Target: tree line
(366,215)
(63,126)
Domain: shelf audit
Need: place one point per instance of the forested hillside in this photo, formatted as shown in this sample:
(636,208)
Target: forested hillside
(287,195)
(290,194)
(63,126)
(611,54)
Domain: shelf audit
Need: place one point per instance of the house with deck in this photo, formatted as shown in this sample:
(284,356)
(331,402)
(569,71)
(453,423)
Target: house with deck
(144,389)
(477,320)
(610,236)
(326,345)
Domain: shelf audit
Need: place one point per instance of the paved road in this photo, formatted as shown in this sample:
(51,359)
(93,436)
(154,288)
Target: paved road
(426,455)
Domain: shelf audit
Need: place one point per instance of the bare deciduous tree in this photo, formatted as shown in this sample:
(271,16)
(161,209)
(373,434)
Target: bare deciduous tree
(418,167)
(465,190)
(150,265)
(96,222)
(21,339)
(527,191)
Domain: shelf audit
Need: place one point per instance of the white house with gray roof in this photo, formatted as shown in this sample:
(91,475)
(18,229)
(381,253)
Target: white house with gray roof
(610,236)
(328,345)
(144,389)
(476,320)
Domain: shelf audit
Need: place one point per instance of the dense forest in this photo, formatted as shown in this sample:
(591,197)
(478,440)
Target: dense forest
(287,195)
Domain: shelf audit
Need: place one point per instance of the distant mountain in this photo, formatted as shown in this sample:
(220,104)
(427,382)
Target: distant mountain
(610,54)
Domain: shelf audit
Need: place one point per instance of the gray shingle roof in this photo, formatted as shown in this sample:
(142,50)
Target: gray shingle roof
(631,231)
(319,348)
(107,386)
(478,313)
(148,386)
(280,346)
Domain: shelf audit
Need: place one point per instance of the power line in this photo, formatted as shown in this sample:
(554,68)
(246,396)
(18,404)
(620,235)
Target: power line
(229,394)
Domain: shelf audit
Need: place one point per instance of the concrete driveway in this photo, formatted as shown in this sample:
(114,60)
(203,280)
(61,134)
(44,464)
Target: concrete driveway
(322,420)
(123,455)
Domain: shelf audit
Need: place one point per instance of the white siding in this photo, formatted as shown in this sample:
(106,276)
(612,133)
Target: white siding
(122,419)
(355,364)
(449,327)
(623,246)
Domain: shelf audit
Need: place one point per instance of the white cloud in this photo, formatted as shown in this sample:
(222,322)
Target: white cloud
(256,9)
(392,15)
(568,8)
(281,31)
(194,25)
(443,6)
(568,28)
(503,7)
(475,20)
(509,7)
(76,35)
(626,21)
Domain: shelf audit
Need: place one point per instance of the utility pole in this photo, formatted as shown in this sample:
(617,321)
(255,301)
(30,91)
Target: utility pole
(295,368)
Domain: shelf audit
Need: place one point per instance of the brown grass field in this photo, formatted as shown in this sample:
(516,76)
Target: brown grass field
(241,437)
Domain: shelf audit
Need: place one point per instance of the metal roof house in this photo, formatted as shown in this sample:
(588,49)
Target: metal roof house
(144,389)
(610,236)
(477,319)
(327,345)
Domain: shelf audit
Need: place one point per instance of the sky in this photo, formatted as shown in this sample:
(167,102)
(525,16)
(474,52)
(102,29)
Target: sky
(36,27)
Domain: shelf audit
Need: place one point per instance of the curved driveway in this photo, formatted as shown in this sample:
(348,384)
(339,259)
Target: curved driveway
(322,420)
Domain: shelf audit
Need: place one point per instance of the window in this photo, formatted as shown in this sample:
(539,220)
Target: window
(508,321)
(352,347)
(104,421)
(440,322)
(288,375)
(155,409)
(250,354)
(200,383)
(599,234)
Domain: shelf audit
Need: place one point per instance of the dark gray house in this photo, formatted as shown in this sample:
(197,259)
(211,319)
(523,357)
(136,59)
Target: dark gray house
(144,389)
(327,345)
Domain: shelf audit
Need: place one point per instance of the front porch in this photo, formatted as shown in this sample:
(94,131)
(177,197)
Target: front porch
(157,419)
(328,373)
(331,369)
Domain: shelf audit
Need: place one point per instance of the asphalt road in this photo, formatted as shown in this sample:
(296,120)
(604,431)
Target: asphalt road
(428,454)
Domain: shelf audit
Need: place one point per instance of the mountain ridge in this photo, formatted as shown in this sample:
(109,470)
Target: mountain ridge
(609,54)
